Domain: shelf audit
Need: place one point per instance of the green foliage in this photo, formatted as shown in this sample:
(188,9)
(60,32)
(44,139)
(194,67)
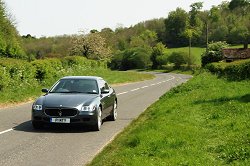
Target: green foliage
(238,3)
(214,53)
(136,58)
(116,61)
(157,52)
(239,34)
(202,122)
(238,70)
(178,58)
(9,38)
(176,24)
(91,46)
(19,78)
(46,47)
(15,73)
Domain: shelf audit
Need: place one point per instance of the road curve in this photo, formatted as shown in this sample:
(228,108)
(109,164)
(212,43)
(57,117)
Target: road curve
(23,146)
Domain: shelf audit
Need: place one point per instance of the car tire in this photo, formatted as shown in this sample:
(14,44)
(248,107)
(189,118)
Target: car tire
(113,114)
(37,125)
(98,123)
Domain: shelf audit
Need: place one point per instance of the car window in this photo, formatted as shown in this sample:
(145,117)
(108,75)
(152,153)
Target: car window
(76,86)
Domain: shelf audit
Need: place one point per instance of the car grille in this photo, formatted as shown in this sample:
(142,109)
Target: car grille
(60,112)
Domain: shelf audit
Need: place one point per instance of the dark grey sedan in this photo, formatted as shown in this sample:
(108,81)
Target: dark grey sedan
(76,100)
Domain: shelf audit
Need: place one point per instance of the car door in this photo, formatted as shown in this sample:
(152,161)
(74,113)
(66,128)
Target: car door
(105,98)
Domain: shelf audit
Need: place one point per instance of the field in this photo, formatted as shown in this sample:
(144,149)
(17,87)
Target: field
(195,51)
(202,122)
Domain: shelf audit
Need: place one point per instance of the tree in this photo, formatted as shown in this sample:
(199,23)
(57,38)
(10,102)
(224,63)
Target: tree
(189,33)
(176,24)
(195,8)
(241,35)
(157,52)
(238,3)
(9,38)
(195,27)
(145,39)
(91,46)
(136,58)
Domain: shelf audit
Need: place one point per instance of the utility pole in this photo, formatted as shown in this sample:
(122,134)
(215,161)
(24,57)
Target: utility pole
(206,36)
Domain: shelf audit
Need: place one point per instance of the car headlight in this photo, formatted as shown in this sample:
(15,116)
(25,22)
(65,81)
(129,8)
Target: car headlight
(88,108)
(37,107)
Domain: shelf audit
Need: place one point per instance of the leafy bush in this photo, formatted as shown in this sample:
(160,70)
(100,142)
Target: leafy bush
(214,53)
(116,60)
(134,58)
(22,74)
(15,72)
(162,60)
(178,58)
(238,70)
(47,69)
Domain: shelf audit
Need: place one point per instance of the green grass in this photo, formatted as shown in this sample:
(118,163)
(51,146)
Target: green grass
(239,46)
(25,93)
(203,122)
(195,51)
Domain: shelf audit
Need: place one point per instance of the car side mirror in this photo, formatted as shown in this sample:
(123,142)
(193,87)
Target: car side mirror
(105,91)
(44,90)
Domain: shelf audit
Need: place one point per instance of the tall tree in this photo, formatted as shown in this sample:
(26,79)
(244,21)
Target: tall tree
(238,3)
(176,24)
(9,37)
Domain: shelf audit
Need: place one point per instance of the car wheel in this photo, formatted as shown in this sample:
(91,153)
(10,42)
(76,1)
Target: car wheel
(98,123)
(113,115)
(37,125)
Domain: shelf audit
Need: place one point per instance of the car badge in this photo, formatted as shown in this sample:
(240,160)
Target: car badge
(60,113)
(60,105)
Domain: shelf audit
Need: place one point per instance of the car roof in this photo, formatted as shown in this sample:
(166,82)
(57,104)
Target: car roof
(83,77)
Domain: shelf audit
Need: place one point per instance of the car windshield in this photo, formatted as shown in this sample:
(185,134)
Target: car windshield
(76,86)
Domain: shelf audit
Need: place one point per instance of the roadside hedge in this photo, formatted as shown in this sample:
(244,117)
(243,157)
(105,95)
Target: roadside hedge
(237,70)
(20,73)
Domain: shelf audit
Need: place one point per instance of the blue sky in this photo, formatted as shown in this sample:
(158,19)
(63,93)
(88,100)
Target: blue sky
(58,17)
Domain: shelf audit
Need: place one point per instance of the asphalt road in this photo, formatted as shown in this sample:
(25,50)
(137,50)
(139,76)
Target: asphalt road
(21,145)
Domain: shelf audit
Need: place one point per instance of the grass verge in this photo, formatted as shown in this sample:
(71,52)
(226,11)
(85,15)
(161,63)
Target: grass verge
(202,122)
(24,93)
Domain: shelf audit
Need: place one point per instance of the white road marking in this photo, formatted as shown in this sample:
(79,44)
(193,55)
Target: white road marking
(5,131)
(144,87)
(172,77)
(134,89)
(121,93)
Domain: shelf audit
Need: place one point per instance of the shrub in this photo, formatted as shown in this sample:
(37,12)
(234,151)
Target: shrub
(136,58)
(47,70)
(178,58)
(116,61)
(16,72)
(238,70)
(214,53)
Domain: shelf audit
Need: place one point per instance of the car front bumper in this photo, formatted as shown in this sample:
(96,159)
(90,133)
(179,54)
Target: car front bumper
(88,118)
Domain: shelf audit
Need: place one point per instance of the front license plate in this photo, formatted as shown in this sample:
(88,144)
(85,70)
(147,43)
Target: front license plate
(60,120)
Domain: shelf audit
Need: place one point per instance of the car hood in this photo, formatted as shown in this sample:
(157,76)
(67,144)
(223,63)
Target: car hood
(67,100)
